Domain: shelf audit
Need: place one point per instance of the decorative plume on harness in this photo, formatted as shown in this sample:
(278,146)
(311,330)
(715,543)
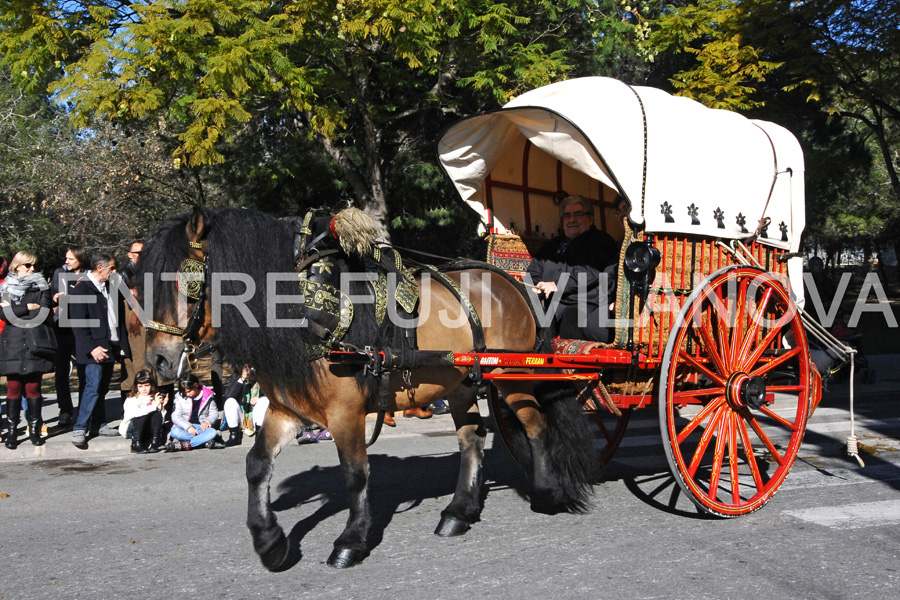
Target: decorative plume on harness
(355,230)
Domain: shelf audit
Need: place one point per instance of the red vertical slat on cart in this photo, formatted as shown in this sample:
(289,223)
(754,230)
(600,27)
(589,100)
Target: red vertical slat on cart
(681,286)
(662,323)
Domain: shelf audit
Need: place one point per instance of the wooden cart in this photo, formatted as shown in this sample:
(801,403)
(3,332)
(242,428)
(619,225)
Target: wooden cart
(709,278)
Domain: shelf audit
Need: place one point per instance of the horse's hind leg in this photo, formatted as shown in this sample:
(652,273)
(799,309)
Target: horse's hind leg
(269,540)
(561,466)
(465,507)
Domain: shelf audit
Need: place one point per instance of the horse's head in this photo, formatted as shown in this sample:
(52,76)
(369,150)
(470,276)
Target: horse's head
(180,330)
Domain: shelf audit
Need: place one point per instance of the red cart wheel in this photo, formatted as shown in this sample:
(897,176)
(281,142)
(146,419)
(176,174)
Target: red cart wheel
(735,391)
(609,429)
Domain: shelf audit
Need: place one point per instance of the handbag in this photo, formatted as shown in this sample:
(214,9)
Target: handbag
(42,340)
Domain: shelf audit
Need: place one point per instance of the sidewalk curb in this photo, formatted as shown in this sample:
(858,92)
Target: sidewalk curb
(58,443)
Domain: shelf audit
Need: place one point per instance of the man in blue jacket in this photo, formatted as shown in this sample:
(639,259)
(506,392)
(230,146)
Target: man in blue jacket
(97,315)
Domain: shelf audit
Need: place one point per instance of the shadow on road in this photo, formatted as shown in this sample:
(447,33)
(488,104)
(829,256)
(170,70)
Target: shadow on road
(396,485)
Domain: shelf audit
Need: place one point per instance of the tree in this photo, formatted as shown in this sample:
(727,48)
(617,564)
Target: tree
(99,188)
(368,81)
(843,56)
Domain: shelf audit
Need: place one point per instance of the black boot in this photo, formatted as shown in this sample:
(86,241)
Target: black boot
(136,447)
(237,435)
(155,439)
(13,410)
(35,422)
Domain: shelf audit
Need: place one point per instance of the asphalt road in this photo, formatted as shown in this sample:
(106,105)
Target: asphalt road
(114,525)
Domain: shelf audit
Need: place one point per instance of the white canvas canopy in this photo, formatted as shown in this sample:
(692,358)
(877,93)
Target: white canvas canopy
(684,167)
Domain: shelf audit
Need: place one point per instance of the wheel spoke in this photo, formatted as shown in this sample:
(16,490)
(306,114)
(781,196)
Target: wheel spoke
(701,416)
(737,335)
(712,348)
(785,388)
(722,334)
(704,440)
(719,454)
(603,428)
(765,440)
(694,393)
(767,411)
(766,341)
(748,452)
(753,329)
(701,367)
(733,458)
(775,362)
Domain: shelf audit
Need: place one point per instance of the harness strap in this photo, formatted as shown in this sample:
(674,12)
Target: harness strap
(379,364)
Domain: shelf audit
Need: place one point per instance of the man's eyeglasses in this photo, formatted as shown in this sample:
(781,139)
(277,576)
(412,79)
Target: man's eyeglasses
(574,215)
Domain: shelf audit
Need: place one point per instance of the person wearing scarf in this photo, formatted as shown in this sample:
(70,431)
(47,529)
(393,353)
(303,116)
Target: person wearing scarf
(27,344)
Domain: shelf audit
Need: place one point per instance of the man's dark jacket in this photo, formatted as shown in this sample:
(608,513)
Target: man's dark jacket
(586,256)
(88,338)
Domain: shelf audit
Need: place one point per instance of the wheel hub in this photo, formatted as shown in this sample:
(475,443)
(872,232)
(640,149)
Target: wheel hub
(745,391)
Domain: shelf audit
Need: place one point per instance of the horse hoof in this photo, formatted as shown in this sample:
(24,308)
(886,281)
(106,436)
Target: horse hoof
(276,554)
(343,557)
(451,526)
(547,502)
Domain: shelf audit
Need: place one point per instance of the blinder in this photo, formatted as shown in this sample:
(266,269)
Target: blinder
(190,281)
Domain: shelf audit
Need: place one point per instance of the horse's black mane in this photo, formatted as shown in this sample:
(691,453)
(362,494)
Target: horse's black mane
(248,243)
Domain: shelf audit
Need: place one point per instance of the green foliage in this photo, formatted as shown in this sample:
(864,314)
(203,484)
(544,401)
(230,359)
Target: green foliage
(367,81)
(839,58)
(727,67)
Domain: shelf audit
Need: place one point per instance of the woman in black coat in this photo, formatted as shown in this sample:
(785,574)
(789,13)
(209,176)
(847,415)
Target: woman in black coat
(27,343)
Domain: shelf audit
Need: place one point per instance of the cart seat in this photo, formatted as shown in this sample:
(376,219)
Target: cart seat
(508,252)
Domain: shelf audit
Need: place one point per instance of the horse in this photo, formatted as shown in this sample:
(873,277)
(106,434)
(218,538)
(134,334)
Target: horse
(220,296)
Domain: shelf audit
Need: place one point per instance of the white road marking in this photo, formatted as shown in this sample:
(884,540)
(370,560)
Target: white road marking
(852,516)
(829,477)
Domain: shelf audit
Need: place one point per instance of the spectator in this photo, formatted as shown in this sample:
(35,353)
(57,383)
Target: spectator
(194,417)
(27,344)
(136,332)
(314,434)
(128,271)
(818,285)
(4,269)
(582,252)
(64,278)
(143,414)
(101,338)
(623,208)
(243,398)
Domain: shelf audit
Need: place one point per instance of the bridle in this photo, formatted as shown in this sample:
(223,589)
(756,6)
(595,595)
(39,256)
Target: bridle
(190,280)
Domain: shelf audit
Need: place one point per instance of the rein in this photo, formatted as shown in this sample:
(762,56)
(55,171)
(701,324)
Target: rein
(191,283)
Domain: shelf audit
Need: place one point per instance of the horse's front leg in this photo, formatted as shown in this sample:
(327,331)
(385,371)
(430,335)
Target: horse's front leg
(349,432)
(269,540)
(465,507)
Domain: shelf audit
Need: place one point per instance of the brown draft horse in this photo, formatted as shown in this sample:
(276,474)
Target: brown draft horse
(237,250)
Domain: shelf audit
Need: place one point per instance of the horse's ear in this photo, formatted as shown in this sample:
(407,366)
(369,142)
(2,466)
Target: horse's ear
(196,226)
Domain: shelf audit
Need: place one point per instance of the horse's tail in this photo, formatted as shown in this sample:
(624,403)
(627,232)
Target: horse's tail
(569,443)
(569,447)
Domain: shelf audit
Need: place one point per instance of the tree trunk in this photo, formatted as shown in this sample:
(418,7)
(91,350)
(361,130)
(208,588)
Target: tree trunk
(370,195)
